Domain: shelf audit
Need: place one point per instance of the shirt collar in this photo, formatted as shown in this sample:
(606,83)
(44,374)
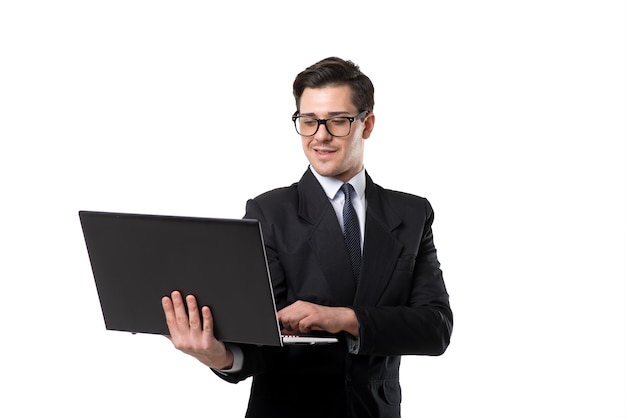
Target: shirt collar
(331,185)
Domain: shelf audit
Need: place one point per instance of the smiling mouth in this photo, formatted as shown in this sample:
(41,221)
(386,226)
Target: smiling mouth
(324,151)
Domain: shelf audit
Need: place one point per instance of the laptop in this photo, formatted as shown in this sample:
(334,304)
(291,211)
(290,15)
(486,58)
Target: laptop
(136,259)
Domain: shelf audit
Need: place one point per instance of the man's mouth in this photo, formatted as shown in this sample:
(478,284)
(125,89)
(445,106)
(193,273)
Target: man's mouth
(324,151)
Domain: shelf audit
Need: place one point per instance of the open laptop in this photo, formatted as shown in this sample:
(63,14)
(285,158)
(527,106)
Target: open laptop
(137,259)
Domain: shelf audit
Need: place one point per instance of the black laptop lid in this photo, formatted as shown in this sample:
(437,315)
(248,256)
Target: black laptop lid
(138,259)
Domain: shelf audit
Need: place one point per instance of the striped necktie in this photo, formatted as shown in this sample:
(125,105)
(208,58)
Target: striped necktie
(351,231)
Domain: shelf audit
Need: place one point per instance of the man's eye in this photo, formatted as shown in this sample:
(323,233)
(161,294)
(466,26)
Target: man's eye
(339,121)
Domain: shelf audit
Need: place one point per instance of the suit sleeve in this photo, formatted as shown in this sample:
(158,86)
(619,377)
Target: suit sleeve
(423,323)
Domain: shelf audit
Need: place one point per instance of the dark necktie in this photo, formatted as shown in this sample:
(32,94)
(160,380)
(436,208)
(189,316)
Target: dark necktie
(351,231)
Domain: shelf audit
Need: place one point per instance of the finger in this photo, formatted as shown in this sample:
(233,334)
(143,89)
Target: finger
(166,303)
(179,310)
(312,318)
(283,321)
(194,315)
(207,320)
(302,326)
(290,325)
(285,315)
(170,317)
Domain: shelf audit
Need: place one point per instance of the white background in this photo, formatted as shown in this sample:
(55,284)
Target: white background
(508,116)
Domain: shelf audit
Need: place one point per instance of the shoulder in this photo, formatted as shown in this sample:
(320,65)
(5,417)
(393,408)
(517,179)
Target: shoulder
(398,200)
(401,196)
(275,204)
(278,195)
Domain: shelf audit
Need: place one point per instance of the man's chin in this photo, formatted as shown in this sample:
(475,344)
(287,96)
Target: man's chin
(324,169)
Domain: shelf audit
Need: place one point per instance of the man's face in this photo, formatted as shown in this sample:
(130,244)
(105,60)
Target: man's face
(339,157)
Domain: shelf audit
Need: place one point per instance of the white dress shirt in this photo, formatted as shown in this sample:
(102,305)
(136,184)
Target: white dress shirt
(332,188)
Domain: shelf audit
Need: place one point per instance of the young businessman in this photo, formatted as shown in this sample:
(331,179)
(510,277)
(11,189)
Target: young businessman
(357,261)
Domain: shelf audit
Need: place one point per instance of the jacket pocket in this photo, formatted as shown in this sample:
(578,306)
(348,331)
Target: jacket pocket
(388,391)
(405,264)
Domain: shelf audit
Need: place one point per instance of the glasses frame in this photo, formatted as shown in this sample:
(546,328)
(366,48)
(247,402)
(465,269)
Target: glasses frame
(351,119)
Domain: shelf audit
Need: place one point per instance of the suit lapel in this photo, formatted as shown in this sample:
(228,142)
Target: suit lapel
(326,239)
(381,250)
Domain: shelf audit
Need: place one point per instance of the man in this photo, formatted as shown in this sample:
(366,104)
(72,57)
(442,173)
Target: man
(383,300)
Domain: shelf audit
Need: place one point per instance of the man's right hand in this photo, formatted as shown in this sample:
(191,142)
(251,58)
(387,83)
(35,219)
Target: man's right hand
(191,335)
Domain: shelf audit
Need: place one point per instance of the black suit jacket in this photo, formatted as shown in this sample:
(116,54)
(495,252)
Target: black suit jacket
(400,301)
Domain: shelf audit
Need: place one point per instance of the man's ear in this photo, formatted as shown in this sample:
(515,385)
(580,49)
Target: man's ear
(369,121)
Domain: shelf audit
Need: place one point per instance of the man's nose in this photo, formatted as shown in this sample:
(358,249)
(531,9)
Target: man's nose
(322,133)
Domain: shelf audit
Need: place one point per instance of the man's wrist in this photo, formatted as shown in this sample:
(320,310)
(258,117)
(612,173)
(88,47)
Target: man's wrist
(351,323)
(236,359)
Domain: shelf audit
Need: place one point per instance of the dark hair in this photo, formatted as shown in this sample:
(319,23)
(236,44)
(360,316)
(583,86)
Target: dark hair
(334,71)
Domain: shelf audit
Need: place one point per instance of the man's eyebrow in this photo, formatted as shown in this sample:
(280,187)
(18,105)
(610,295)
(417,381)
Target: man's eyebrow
(330,114)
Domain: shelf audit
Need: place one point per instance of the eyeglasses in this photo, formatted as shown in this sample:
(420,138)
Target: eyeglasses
(337,126)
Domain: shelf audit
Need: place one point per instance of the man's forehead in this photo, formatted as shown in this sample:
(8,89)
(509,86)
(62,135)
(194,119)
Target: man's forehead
(329,99)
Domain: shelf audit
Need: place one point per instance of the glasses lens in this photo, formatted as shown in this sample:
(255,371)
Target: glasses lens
(338,126)
(306,126)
